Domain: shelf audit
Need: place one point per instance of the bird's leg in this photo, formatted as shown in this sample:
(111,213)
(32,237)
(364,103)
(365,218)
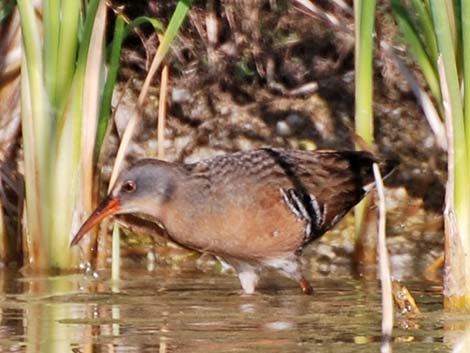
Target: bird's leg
(290,268)
(248,280)
(305,286)
(247,274)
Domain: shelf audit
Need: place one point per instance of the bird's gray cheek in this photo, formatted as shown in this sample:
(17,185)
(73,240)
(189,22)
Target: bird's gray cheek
(166,192)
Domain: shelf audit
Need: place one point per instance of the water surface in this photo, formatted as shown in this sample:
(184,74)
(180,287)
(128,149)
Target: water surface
(191,311)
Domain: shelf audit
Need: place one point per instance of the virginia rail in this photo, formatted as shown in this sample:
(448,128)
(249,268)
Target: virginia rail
(252,209)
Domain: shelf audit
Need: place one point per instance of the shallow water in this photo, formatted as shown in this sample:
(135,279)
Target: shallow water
(168,311)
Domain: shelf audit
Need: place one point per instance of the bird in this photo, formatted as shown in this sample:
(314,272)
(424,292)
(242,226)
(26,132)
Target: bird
(252,209)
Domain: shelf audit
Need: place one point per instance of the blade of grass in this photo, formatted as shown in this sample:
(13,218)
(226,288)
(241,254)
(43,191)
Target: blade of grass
(157,25)
(51,13)
(120,34)
(384,266)
(87,29)
(418,50)
(425,25)
(453,107)
(35,128)
(64,183)
(90,108)
(91,105)
(116,254)
(66,52)
(32,49)
(105,110)
(453,22)
(364,15)
(33,221)
(364,71)
(173,27)
(456,298)
(162,110)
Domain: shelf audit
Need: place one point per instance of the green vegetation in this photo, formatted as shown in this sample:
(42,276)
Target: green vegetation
(364,12)
(438,35)
(364,17)
(65,113)
(58,122)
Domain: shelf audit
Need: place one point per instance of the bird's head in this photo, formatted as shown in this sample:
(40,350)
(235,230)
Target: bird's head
(142,188)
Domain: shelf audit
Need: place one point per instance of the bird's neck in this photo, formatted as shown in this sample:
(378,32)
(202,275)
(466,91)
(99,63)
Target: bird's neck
(189,202)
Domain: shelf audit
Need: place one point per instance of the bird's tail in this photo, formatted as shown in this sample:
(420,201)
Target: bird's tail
(386,166)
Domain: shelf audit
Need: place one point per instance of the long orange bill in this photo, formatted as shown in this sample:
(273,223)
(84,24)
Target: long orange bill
(107,207)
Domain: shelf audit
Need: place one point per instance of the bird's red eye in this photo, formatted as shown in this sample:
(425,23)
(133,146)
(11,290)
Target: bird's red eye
(129,186)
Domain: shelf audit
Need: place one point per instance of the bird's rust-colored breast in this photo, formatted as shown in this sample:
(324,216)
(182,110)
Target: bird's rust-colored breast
(256,224)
